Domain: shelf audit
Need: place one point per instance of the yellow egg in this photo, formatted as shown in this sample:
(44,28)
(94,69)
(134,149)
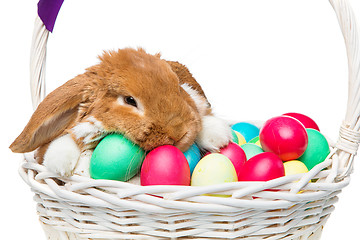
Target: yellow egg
(241,138)
(294,167)
(214,168)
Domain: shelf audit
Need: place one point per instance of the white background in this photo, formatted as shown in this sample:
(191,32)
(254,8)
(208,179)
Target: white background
(254,58)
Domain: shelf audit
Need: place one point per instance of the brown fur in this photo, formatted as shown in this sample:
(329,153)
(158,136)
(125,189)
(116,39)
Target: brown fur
(170,115)
(51,117)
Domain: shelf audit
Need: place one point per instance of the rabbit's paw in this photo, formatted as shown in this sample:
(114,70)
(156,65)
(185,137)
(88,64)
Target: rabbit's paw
(62,155)
(83,165)
(215,134)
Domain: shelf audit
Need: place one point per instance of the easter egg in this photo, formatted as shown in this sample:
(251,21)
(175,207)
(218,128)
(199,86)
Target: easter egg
(294,167)
(234,138)
(235,154)
(248,130)
(305,120)
(116,158)
(285,136)
(165,165)
(241,139)
(251,150)
(214,168)
(262,167)
(256,140)
(193,156)
(317,150)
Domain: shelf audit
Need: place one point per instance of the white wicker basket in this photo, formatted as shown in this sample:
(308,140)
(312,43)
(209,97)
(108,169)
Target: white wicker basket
(82,208)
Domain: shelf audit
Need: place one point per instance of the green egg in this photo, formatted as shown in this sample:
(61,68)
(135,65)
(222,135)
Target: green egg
(256,140)
(116,158)
(317,150)
(251,150)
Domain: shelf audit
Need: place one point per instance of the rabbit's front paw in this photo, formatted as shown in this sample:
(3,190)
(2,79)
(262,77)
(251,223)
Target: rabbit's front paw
(215,133)
(83,165)
(62,155)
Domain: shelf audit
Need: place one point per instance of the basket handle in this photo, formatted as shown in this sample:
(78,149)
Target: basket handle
(349,136)
(44,23)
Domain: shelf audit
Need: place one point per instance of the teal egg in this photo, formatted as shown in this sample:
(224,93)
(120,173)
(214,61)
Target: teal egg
(116,158)
(193,156)
(317,150)
(251,150)
(248,130)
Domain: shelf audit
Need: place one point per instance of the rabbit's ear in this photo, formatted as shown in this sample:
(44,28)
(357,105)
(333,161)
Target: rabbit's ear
(185,76)
(53,115)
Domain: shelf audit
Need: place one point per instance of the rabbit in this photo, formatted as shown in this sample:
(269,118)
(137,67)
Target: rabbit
(151,101)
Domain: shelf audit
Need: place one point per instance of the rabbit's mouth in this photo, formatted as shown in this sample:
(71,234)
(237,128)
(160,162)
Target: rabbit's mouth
(152,144)
(182,143)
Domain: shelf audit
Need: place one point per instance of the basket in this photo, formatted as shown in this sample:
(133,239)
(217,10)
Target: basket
(81,208)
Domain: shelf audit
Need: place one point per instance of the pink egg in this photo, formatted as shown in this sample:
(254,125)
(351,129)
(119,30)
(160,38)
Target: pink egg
(165,165)
(262,167)
(236,155)
(285,136)
(305,120)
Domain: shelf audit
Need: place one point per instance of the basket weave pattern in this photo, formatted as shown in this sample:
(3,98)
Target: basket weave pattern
(101,209)
(292,207)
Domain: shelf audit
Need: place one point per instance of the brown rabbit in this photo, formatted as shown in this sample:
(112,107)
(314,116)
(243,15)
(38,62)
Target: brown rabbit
(151,101)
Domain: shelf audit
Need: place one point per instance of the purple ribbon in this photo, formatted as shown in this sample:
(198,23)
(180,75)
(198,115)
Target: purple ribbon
(48,11)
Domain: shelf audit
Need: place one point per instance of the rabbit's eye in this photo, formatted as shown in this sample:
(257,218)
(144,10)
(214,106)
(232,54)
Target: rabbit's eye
(130,100)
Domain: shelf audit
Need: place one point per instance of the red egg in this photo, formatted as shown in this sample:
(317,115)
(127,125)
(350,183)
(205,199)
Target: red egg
(165,165)
(236,155)
(262,167)
(285,136)
(305,120)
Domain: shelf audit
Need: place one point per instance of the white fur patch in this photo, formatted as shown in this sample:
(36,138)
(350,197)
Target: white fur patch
(215,133)
(83,165)
(200,101)
(62,155)
(89,130)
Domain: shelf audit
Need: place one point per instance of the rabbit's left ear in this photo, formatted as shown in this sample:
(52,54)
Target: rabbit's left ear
(54,114)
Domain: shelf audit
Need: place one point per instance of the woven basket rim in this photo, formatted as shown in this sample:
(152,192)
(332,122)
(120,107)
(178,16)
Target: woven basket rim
(286,191)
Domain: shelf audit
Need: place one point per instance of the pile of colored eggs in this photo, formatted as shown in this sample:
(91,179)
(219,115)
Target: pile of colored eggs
(285,145)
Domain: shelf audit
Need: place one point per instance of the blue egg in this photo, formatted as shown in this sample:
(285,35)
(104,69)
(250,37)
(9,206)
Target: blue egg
(248,130)
(193,156)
